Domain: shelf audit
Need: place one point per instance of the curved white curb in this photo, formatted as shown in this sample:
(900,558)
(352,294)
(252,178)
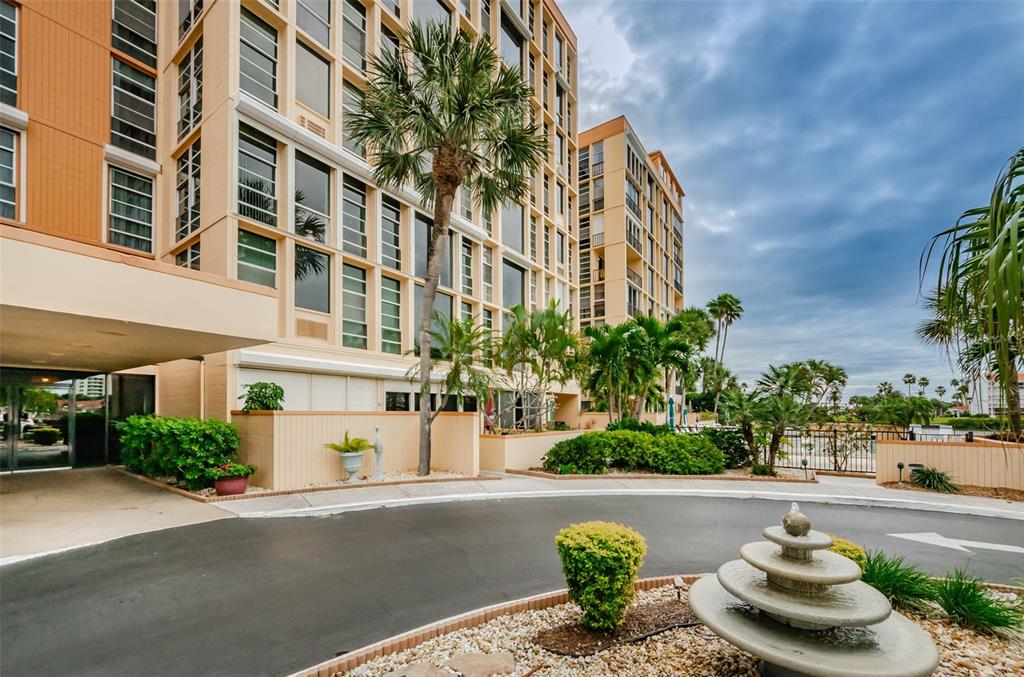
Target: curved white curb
(827,499)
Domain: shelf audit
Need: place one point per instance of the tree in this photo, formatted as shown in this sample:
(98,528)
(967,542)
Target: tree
(981,276)
(922,386)
(537,350)
(742,409)
(940,391)
(456,346)
(696,326)
(442,113)
(666,347)
(605,365)
(726,309)
(909,380)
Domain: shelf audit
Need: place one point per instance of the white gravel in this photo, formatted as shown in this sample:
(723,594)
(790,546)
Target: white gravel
(684,651)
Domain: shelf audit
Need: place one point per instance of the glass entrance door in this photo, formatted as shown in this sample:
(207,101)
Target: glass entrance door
(37,426)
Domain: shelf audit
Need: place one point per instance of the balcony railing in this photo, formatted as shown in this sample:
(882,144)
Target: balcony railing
(678,285)
(634,241)
(597,168)
(597,240)
(584,313)
(633,206)
(634,277)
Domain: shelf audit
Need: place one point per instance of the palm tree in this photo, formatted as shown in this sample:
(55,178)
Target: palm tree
(909,380)
(922,385)
(455,348)
(940,391)
(442,113)
(726,309)
(606,371)
(885,388)
(696,326)
(980,273)
(742,409)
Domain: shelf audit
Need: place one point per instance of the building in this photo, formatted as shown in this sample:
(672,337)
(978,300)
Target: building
(631,228)
(988,397)
(178,190)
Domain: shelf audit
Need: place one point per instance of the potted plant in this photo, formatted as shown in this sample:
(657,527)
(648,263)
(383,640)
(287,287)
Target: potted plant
(351,450)
(231,478)
(262,396)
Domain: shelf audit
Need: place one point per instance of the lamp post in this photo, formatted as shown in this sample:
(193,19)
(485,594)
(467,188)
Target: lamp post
(803,462)
(901,466)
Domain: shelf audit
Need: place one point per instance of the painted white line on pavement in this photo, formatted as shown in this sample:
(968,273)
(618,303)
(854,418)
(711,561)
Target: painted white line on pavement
(864,501)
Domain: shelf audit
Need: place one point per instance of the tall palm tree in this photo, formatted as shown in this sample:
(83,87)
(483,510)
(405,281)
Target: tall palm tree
(666,347)
(981,270)
(456,348)
(606,366)
(726,309)
(442,113)
(940,391)
(909,380)
(922,385)
(694,324)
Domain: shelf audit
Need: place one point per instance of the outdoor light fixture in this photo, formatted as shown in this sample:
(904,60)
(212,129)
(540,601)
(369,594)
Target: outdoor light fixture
(901,467)
(803,462)
(677,582)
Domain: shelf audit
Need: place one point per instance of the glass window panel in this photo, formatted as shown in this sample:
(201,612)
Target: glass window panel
(513,278)
(353,312)
(133,29)
(512,225)
(258,59)
(430,10)
(423,226)
(391,315)
(354,34)
(257,259)
(312,279)
(314,87)
(353,218)
(8,54)
(351,102)
(257,175)
(188,257)
(131,210)
(133,113)
(391,229)
(8,173)
(312,197)
(314,17)
(190,89)
(188,191)
(511,44)
(188,12)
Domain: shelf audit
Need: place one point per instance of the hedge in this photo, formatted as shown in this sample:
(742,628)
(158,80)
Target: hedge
(600,561)
(182,448)
(594,452)
(639,427)
(731,443)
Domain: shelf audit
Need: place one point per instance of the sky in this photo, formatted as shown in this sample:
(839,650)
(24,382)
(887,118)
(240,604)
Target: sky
(820,146)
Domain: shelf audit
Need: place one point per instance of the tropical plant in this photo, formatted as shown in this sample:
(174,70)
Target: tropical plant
(606,365)
(909,380)
(184,449)
(967,603)
(933,480)
(350,445)
(262,396)
(730,441)
(742,409)
(981,277)
(905,586)
(445,113)
(922,386)
(230,470)
(456,349)
(725,309)
(600,561)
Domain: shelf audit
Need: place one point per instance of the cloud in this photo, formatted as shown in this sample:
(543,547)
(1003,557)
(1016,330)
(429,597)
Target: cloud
(820,145)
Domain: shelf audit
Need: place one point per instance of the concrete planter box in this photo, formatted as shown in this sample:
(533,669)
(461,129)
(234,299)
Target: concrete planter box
(520,451)
(982,463)
(287,447)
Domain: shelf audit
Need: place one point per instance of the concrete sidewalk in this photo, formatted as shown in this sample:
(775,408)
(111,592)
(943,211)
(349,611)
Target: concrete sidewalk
(829,490)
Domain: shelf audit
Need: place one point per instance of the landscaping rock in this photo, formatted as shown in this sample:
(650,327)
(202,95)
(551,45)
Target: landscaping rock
(484,664)
(419,670)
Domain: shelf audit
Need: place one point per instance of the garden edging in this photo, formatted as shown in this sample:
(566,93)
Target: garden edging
(657,476)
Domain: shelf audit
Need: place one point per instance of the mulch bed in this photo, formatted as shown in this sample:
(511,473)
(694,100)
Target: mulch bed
(967,490)
(640,623)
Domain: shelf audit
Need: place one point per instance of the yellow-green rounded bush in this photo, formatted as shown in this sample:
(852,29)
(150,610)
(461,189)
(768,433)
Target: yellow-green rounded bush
(600,561)
(849,549)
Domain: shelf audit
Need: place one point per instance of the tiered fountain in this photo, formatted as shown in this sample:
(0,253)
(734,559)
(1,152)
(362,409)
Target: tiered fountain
(803,611)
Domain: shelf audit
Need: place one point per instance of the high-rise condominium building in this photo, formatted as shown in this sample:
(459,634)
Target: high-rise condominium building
(176,182)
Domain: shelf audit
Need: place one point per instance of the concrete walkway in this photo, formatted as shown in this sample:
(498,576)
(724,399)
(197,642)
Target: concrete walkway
(829,490)
(46,512)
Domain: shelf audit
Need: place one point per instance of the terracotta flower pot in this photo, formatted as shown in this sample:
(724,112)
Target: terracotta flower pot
(229,486)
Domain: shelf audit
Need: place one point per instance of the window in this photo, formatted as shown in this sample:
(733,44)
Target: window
(394,6)
(312,197)
(391,233)
(257,259)
(466,203)
(559,51)
(8,54)
(353,34)
(547,195)
(598,198)
(188,12)
(257,175)
(133,119)
(488,274)
(131,210)
(597,158)
(488,324)
(531,78)
(511,44)
(561,197)
(533,238)
(312,279)
(545,95)
(485,17)
(560,248)
(512,225)
(442,306)
(190,89)
(188,191)
(391,316)
(133,30)
(351,102)
(467,311)
(466,7)
(314,87)
(430,10)
(467,267)
(258,60)
(547,247)
(396,401)
(423,226)
(188,257)
(314,17)
(353,217)
(446,263)
(389,41)
(8,173)
(512,280)
(533,289)
(353,311)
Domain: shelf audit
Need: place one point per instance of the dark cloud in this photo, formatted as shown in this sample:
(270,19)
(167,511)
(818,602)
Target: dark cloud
(820,146)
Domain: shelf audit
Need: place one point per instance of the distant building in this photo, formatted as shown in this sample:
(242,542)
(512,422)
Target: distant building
(91,388)
(989,398)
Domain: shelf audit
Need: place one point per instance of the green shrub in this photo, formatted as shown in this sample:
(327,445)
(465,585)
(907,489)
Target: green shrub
(46,436)
(600,561)
(760,470)
(584,454)
(262,396)
(933,480)
(183,448)
(630,450)
(965,602)
(732,445)
(906,587)
(639,427)
(558,425)
(849,549)
(687,455)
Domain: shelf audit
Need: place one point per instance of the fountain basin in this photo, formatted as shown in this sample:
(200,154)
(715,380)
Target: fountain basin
(893,648)
(814,540)
(847,605)
(823,568)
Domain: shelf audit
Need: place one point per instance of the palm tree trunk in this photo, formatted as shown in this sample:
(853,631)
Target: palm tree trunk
(1013,407)
(444,197)
(718,381)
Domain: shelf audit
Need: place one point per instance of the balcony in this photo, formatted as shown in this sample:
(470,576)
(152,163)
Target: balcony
(634,310)
(597,168)
(634,241)
(633,206)
(634,277)
(597,240)
(678,285)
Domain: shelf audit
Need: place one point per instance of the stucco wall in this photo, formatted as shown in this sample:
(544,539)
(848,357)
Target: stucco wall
(976,463)
(519,452)
(288,446)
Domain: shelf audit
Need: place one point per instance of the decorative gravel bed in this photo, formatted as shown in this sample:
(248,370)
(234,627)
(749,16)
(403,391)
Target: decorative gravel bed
(966,490)
(681,651)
